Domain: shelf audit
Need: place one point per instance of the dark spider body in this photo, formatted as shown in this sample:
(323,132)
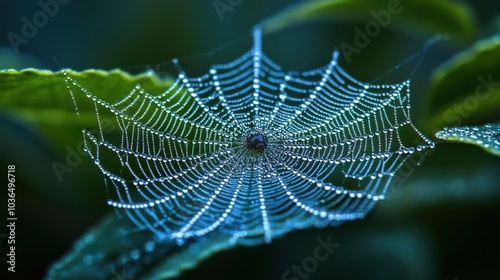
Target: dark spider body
(256,141)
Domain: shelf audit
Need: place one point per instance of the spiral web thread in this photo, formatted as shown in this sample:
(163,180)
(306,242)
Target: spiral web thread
(335,145)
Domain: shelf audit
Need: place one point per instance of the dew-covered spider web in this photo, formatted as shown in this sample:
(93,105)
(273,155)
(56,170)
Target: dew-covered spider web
(251,150)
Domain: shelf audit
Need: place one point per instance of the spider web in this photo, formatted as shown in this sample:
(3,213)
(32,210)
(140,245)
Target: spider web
(335,146)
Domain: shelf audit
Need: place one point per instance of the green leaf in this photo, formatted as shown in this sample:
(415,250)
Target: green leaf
(424,16)
(41,96)
(466,90)
(115,249)
(486,137)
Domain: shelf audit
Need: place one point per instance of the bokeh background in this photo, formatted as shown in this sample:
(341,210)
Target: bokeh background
(441,223)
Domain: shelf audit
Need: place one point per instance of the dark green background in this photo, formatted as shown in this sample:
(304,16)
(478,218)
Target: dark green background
(440,224)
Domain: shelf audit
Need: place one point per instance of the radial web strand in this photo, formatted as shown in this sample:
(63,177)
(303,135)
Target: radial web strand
(251,150)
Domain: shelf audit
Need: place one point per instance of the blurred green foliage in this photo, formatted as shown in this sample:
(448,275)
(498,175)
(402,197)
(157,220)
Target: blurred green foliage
(466,89)
(428,17)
